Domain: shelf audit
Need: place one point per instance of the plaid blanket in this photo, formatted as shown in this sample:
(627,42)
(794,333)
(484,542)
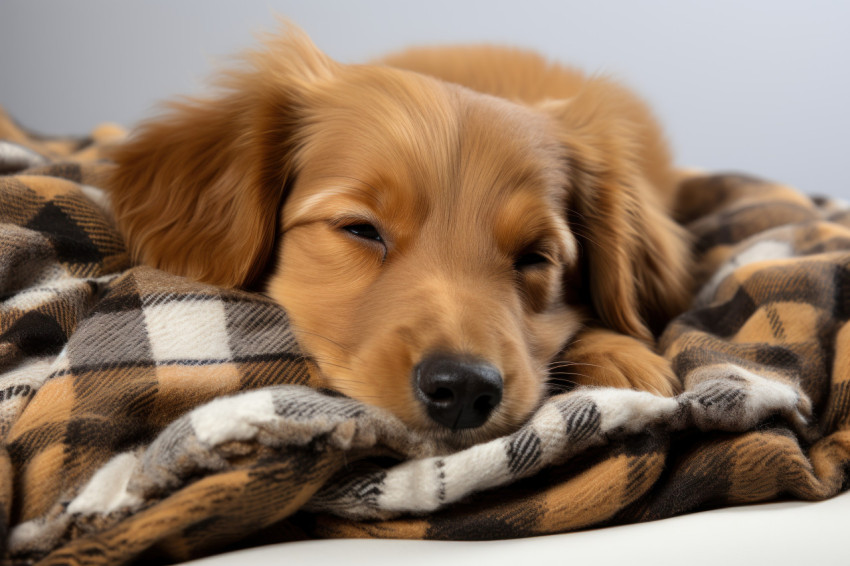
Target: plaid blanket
(145,417)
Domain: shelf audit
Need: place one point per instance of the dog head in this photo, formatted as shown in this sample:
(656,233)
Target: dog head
(434,247)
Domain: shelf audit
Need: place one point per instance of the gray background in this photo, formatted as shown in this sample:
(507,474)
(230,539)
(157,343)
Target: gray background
(757,86)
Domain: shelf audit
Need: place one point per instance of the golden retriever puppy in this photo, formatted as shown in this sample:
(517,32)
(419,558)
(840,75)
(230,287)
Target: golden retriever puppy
(445,228)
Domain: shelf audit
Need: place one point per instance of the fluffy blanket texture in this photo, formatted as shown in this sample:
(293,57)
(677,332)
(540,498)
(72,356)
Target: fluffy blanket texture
(147,417)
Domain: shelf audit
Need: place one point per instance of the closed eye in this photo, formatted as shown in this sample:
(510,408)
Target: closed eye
(530,260)
(364,231)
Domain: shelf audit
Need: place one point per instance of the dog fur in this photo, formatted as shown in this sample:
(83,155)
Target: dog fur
(518,213)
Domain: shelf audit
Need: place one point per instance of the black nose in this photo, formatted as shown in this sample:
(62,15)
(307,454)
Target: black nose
(457,391)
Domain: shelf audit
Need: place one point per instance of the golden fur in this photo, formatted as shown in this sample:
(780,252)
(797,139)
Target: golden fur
(521,208)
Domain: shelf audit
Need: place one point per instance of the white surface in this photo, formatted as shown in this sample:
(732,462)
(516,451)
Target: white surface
(779,534)
(759,86)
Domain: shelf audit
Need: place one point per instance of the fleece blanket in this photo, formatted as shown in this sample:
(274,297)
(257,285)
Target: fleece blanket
(145,417)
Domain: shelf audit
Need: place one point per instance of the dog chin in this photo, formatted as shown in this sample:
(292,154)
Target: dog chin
(510,415)
(452,440)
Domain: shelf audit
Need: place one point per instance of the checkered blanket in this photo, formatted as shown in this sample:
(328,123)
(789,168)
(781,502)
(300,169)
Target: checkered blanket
(147,417)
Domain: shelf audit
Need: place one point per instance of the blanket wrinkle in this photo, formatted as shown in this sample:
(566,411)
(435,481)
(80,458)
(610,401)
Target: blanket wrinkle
(144,416)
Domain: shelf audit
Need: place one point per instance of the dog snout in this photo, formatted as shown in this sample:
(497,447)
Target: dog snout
(458,392)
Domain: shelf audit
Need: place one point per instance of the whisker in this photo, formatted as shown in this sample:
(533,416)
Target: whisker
(347,349)
(325,360)
(563,364)
(331,364)
(349,381)
(559,374)
(569,364)
(581,233)
(603,368)
(556,389)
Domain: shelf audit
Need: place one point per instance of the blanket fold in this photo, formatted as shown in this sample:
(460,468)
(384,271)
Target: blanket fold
(144,416)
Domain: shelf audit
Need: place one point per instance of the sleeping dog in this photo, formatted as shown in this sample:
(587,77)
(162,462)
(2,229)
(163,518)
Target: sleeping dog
(446,228)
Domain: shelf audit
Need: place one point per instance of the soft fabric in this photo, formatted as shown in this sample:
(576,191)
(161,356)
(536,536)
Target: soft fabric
(147,417)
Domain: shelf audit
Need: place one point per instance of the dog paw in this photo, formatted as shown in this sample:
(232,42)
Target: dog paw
(602,358)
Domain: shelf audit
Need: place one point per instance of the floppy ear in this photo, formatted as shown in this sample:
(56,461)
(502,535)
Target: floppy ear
(196,191)
(636,257)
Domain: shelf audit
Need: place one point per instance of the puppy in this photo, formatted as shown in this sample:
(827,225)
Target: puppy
(447,228)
